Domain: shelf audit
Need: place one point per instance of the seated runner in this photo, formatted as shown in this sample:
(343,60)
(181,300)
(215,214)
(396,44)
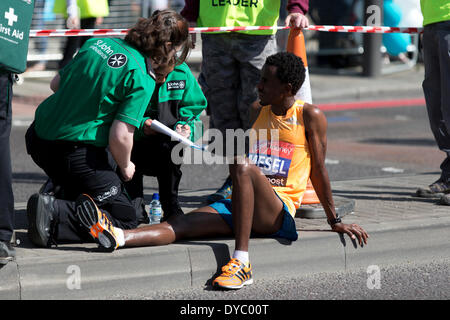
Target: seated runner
(268,186)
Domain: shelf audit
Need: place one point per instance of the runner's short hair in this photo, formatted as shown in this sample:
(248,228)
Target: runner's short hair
(290,69)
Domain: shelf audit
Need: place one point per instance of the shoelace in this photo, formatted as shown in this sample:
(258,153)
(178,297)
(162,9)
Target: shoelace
(230,267)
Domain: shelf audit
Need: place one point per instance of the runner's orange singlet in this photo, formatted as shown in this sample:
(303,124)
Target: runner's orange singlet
(280,149)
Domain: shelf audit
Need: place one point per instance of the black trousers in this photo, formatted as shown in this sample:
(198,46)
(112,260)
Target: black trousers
(6,193)
(436,87)
(78,169)
(152,157)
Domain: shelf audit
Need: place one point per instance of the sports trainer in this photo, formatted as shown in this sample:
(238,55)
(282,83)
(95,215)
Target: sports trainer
(85,129)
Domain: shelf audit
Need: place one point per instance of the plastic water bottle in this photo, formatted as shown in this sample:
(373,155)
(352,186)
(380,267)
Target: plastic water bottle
(155,209)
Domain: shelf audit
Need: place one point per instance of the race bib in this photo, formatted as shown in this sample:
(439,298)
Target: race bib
(274,159)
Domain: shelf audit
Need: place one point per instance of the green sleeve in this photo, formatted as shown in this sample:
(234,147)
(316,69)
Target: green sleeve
(137,90)
(192,105)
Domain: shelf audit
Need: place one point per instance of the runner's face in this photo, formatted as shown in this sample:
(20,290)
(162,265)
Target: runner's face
(270,88)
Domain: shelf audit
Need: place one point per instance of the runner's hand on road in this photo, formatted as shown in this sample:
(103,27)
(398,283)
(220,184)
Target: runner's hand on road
(354,231)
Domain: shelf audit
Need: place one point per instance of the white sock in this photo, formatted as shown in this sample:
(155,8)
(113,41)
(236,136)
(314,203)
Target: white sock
(242,256)
(119,236)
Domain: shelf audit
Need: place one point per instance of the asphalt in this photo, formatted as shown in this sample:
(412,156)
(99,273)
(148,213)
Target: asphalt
(401,226)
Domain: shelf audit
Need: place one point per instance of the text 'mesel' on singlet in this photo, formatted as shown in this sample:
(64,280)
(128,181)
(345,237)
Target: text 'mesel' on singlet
(280,149)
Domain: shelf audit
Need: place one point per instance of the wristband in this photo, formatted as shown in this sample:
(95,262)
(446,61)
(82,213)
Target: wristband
(334,221)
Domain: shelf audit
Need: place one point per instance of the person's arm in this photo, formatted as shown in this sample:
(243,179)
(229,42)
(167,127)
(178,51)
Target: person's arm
(191,106)
(190,12)
(316,131)
(301,6)
(297,13)
(120,146)
(73,20)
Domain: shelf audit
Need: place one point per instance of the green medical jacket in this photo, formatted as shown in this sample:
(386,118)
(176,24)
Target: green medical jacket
(179,100)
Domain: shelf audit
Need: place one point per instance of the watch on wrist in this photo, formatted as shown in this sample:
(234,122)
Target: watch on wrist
(332,222)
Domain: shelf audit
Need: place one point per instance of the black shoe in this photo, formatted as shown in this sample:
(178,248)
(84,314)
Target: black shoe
(445,200)
(141,213)
(169,214)
(40,212)
(435,190)
(51,189)
(7,252)
(222,193)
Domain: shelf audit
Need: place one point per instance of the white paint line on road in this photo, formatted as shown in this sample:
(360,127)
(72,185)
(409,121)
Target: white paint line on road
(331,161)
(21,123)
(393,170)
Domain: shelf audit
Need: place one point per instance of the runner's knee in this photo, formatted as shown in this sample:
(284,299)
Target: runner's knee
(242,168)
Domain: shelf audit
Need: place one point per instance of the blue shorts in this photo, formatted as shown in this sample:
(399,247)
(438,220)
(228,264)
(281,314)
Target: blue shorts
(287,230)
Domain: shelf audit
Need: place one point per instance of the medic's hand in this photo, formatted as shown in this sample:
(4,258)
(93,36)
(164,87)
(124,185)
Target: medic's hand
(184,130)
(148,131)
(296,20)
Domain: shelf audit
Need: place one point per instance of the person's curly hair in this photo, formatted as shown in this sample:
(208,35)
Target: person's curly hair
(150,36)
(290,69)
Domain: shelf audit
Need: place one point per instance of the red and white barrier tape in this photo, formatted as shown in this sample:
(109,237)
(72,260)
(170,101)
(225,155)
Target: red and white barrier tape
(78,32)
(121,32)
(365,29)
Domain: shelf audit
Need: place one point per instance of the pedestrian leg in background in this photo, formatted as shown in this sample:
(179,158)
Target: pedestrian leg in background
(162,167)
(436,87)
(7,253)
(220,81)
(75,43)
(40,43)
(231,68)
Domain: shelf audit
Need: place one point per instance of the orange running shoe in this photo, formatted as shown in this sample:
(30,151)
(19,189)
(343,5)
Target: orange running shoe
(234,275)
(98,224)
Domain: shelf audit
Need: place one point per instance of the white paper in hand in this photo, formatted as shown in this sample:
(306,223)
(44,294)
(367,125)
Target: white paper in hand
(159,127)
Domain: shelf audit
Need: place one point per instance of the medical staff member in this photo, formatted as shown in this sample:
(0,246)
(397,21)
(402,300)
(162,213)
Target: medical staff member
(86,128)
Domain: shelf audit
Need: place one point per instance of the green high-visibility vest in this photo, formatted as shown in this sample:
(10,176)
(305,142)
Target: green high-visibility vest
(435,11)
(234,13)
(15,22)
(87,8)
